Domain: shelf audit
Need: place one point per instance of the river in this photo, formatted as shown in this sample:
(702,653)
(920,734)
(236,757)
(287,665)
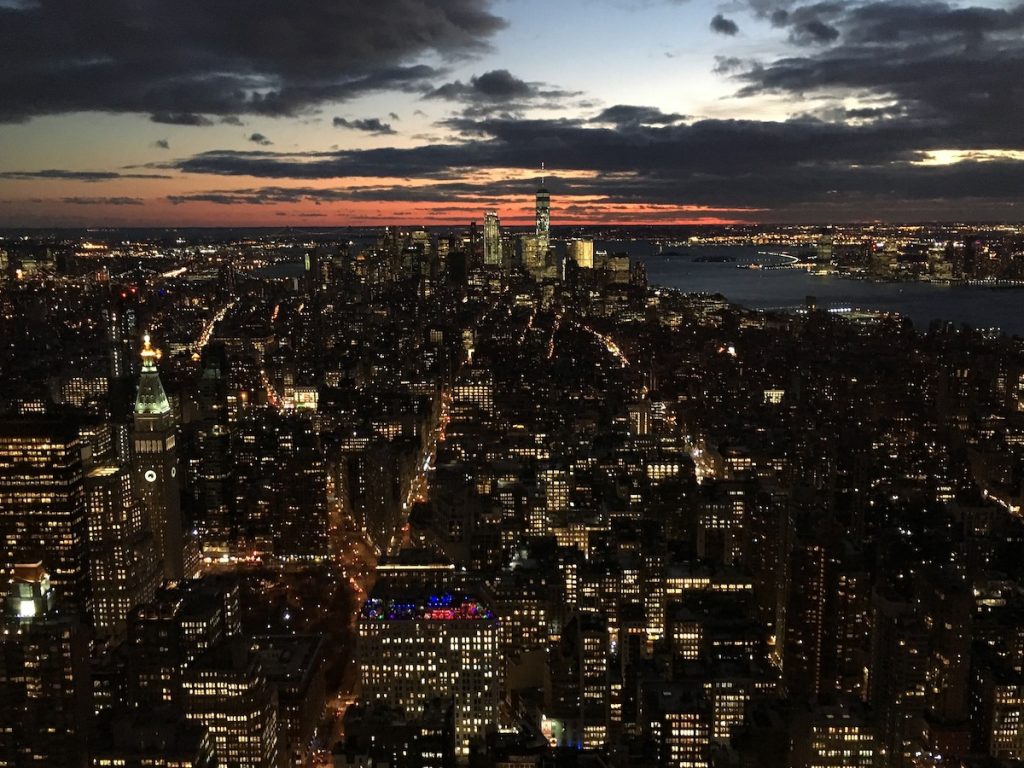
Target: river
(977,306)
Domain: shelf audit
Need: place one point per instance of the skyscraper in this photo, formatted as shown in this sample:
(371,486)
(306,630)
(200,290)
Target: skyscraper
(122,569)
(543,212)
(156,464)
(226,690)
(492,239)
(582,252)
(42,505)
(45,699)
(212,468)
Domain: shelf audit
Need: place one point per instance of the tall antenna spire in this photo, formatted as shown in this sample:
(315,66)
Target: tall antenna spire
(542,173)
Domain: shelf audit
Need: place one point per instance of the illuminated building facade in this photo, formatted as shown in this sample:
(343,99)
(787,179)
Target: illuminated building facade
(122,568)
(226,691)
(836,737)
(998,709)
(582,252)
(42,505)
(492,240)
(154,445)
(677,720)
(534,254)
(414,645)
(543,214)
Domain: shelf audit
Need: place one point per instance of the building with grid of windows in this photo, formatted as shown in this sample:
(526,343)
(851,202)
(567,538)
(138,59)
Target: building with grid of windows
(42,505)
(122,567)
(415,644)
(226,690)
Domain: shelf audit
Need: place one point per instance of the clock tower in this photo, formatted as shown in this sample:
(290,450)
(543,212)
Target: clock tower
(156,464)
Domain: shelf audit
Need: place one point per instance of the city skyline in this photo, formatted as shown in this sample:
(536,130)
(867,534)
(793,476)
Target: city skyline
(645,111)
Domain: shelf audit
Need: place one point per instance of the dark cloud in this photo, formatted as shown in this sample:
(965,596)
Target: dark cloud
(368,125)
(724,26)
(814,31)
(729,65)
(103,201)
(499,90)
(497,85)
(259,138)
(231,120)
(394,116)
(807,24)
(162,144)
(181,118)
(850,170)
(626,115)
(953,71)
(55,173)
(181,61)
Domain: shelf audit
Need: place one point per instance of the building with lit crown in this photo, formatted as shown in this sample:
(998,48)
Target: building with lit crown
(155,452)
(414,645)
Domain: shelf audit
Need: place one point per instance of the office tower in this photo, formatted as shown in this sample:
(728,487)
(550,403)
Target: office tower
(167,634)
(947,607)
(805,617)
(213,475)
(414,644)
(45,701)
(997,711)
(897,680)
(89,393)
(151,740)
(300,509)
(580,679)
(97,440)
(156,465)
(42,505)
(122,568)
(543,214)
(677,720)
(295,666)
(492,240)
(121,322)
(582,252)
(534,254)
(849,641)
(377,734)
(369,494)
(225,690)
(835,736)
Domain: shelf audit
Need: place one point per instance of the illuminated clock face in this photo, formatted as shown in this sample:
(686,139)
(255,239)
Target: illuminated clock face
(150,476)
(174,471)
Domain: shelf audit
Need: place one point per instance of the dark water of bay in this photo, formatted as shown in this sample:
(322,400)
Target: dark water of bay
(979,307)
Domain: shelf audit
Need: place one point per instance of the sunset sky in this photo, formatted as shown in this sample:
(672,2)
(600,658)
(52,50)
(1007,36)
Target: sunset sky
(337,112)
